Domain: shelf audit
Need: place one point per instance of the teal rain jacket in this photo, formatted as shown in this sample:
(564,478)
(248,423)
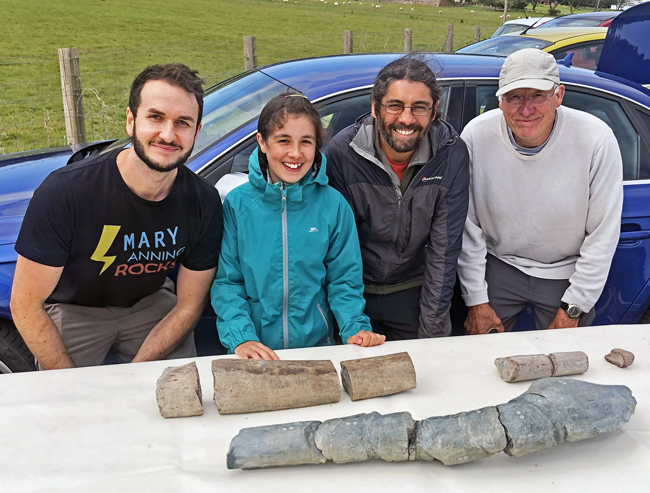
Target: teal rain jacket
(289,258)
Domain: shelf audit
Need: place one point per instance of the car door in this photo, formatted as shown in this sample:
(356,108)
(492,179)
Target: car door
(626,295)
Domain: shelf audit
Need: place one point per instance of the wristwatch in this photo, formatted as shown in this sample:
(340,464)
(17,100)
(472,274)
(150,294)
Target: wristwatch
(573,311)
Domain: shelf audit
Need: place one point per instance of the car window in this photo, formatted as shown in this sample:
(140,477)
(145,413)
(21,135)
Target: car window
(233,105)
(608,110)
(644,164)
(504,45)
(486,99)
(510,28)
(335,116)
(585,55)
(611,112)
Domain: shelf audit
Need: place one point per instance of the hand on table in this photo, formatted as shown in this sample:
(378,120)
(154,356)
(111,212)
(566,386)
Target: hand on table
(563,321)
(255,350)
(481,318)
(366,338)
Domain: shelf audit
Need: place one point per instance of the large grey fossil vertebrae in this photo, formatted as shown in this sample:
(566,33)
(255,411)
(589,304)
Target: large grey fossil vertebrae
(551,411)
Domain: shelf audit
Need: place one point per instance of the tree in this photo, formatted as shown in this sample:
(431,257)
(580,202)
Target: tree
(575,4)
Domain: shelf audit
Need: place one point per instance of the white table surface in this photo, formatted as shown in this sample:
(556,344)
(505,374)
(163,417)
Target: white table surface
(99,429)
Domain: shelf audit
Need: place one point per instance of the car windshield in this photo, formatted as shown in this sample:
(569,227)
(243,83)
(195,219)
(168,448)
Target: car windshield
(510,28)
(504,45)
(227,106)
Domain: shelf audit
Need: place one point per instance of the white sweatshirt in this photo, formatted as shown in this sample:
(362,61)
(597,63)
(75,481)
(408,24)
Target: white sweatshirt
(554,215)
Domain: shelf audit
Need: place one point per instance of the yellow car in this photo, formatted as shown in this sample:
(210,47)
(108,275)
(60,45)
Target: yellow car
(586,44)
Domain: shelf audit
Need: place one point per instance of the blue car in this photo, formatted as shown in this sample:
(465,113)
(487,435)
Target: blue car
(340,87)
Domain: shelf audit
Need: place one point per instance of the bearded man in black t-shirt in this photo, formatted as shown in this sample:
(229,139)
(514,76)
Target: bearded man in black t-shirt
(100,237)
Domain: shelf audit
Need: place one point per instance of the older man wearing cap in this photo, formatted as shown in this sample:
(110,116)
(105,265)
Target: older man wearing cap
(545,204)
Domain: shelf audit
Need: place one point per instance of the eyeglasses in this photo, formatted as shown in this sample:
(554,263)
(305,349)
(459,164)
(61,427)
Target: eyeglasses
(517,100)
(397,109)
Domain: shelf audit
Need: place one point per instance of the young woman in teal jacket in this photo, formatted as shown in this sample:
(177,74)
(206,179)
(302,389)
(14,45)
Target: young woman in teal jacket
(290,259)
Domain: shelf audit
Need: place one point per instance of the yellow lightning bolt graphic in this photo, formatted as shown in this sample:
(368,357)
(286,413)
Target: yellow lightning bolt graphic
(108,237)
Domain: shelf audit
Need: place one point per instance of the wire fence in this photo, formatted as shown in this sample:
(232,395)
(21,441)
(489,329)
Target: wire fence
(31,105)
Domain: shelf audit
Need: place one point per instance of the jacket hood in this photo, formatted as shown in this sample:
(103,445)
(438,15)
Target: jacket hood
(294,192)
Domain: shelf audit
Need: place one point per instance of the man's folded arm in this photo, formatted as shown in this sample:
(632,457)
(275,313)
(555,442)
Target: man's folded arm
(33,284)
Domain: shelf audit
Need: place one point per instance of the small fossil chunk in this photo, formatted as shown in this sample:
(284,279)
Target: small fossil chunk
(620,357)
(178,392)
(534,366)
(378,376)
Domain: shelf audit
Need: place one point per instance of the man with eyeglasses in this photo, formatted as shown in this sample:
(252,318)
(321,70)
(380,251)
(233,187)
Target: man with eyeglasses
(545,204)
(405,172)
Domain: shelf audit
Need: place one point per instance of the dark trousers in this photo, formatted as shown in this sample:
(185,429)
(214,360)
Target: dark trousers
(510,291)
(395,315)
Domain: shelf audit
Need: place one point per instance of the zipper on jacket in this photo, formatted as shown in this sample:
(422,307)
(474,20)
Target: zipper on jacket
(396,228)
(327,324)
(285,272)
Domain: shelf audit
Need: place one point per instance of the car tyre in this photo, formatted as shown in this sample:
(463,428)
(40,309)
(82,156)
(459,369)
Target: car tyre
(15,356)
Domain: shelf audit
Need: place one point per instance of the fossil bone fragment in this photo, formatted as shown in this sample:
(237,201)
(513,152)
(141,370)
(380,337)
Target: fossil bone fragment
(551,411)
(366,436)
(257,448)
(534,366)
(381,375)
(620,358)
(460,438)
(249,386)
(178,392)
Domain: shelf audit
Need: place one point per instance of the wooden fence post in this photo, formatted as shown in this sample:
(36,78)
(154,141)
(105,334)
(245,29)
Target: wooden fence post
(250,52)
(348,42)
(477,34)
(73,96)
(408,40)
(449,47)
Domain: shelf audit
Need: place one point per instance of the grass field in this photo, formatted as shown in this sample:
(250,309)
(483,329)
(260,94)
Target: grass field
(118,38)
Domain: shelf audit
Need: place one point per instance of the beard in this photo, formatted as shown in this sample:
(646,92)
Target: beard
(419,132)
(139,148)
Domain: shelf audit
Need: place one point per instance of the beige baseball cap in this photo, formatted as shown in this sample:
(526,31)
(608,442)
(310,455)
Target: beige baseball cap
(530,69)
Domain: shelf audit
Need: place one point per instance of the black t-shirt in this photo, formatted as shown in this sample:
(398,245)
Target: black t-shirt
(114,246)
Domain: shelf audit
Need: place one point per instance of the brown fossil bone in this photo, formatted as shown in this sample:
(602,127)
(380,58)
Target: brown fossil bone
(620,357)
(250,386)
(178,392)
(377,376)
(534,366)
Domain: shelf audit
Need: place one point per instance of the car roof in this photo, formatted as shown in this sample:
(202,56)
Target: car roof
(557,34)
(603,15)
(320,77)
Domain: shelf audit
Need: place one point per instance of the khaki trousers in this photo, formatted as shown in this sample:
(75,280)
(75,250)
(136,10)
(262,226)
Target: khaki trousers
(89,333)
